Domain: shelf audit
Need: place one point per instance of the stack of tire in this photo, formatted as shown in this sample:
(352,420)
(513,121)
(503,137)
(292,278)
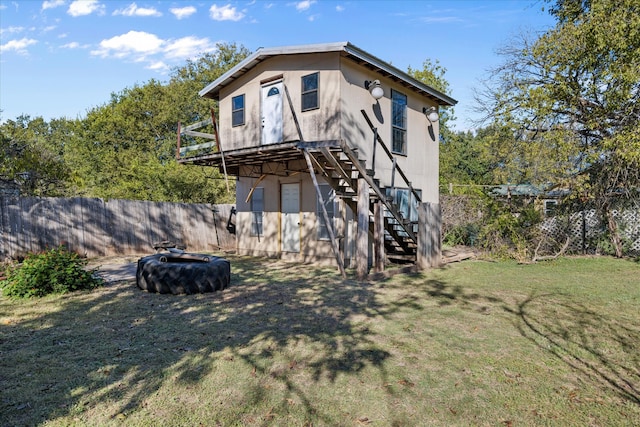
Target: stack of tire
(182,273)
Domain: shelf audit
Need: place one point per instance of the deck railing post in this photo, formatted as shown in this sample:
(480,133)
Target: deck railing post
(372,171)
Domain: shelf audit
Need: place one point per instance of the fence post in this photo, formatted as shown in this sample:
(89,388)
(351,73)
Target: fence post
(429,252)
(584,232)
(362,235)
(378,236)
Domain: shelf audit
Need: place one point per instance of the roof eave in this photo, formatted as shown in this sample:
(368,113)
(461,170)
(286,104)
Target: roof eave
(390,70)
(212,90)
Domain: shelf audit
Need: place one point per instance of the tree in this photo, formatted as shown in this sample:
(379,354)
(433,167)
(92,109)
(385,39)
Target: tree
(463,160)
(126,147)
(31,155)
(571,100)
(433,74)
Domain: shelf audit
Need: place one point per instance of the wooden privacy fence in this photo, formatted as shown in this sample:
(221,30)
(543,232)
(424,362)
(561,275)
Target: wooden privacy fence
(94,227)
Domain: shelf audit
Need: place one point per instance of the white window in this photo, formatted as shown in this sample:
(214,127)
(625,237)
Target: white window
(310,92)
(257,209)
(398,122)
(237,110)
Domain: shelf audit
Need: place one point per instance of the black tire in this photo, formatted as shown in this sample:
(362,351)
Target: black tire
(182,273)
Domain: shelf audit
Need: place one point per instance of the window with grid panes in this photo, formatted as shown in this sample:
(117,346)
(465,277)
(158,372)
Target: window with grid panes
(310,92)
(257,208)
(398,122)
(237,110)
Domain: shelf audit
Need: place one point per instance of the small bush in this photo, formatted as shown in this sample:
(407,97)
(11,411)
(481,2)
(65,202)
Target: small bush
(466,235)
(510,233)
(56,271)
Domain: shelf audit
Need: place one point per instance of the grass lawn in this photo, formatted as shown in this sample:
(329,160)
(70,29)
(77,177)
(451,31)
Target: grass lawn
(476,343)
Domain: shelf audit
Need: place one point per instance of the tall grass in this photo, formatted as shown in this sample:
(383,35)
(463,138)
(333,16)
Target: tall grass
(477,343)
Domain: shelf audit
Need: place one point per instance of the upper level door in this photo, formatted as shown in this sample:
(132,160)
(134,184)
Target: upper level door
(272,113)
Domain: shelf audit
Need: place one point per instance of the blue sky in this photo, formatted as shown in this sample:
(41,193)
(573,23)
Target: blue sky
(61,58)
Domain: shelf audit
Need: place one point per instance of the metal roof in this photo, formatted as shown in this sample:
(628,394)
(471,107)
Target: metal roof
(346,49)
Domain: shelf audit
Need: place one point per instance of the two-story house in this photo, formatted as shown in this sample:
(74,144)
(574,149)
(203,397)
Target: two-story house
(333,150)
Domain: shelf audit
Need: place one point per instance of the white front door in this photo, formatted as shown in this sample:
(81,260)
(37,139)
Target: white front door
(272,113)
(290,194)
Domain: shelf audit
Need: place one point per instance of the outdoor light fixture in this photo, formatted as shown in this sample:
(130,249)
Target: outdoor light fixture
(374,88)
(431,113)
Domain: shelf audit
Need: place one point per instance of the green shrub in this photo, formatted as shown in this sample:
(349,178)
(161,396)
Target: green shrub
(462,235)
(510,232)
(56,271)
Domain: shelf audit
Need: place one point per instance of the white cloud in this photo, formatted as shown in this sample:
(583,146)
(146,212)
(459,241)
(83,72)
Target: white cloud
(440,19)
(85,7)
(188,47)
(74,45)
(142,47)
(134,10)
(339,8)
(49,28)
(304,5)
(183,12)
(225,13)
(19,46)
(11,30)
(52,4)
(158,66)
(134,44)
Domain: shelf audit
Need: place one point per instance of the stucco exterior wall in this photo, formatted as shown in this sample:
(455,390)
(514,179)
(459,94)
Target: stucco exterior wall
(420,163)
(270,242)
(342,95)
(321,123)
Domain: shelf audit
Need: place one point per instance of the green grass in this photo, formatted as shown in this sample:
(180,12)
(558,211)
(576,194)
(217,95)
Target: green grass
(476,343)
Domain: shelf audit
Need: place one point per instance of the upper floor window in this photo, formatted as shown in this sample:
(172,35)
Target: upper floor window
(310,92)
(237,110)
(398,122)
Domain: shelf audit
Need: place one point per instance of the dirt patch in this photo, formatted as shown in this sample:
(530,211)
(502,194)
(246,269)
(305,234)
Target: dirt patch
(116,268)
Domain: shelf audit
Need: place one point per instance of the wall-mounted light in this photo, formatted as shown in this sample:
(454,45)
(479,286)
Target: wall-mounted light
(431,113)
(374,88)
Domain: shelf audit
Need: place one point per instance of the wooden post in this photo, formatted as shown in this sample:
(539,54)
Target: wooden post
(293,113)
(178,146)
(325,214)
(429,224)
(378,237)
(393,180)
(215,131)
(362,236)
(372,171)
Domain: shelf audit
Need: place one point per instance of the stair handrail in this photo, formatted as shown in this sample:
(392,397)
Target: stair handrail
(390,155)
(369,179)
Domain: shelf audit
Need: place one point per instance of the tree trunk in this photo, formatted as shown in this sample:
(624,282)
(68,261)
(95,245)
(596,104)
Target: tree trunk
(614,235)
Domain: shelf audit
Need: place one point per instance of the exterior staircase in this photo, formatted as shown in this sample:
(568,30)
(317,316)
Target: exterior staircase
(341,168)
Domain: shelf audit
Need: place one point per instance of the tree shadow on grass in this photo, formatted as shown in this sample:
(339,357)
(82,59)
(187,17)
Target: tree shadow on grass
(601,348)
(115,347)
